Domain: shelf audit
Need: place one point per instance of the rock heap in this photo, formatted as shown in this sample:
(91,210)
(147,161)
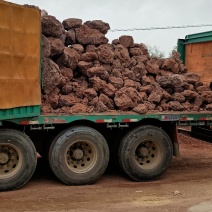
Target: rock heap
(83,73)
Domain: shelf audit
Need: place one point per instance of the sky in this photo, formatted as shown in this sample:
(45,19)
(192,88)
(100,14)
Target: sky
(128,14)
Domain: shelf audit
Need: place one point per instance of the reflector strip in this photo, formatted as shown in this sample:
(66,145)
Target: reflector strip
(129,120)
(186,119)
(24,122)
(103,120)
(205,118)
(28,122)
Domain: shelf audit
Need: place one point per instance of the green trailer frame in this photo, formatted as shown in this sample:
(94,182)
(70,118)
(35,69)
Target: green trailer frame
(191,119)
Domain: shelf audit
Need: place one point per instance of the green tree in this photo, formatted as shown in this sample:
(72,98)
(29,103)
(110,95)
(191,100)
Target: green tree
(172,51)
(154,51)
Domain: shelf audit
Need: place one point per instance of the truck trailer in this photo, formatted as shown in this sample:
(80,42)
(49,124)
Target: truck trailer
(78,146)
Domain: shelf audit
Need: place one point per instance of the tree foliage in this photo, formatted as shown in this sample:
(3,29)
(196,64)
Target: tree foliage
(154,51)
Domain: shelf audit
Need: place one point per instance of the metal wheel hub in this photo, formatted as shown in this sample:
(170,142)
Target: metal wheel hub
(10,160)
(143,151)
(4,158)
(78,154)
(148,154)
(81,157)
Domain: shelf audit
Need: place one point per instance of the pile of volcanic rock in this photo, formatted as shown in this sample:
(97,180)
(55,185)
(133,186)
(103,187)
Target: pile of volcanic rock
(83,73)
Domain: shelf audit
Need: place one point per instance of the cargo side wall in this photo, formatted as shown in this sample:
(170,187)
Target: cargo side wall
(198,59)
(196,53)
(20,94)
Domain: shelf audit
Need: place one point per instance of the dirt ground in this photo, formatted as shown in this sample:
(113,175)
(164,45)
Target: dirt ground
(186,186)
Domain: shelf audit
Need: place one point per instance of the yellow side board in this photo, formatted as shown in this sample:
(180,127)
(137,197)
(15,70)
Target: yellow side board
(19,56)
(199,60)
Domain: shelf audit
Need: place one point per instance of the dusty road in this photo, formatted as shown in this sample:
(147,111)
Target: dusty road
(186,186)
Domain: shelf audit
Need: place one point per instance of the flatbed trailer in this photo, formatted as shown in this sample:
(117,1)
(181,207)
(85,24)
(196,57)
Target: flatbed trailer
(77,146)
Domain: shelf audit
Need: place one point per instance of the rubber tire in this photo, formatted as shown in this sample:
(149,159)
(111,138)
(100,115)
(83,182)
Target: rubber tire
(66,139)
(27,148)
(129,144)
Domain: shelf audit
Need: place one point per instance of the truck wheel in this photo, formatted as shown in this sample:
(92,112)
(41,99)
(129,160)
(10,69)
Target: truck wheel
(145,153)
(79,156)
(17,159)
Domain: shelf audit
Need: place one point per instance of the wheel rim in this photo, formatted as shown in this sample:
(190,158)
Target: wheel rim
(81,156)
(11,160)
(148,154)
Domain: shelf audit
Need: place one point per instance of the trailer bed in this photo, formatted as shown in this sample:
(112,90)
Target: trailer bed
(183,118)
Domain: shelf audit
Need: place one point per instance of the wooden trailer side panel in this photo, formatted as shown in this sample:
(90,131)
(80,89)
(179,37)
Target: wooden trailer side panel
(19,56)
(198,59)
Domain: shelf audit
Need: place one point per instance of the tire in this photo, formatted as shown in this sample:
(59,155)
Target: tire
(145,153)
(79,156)
(17,159)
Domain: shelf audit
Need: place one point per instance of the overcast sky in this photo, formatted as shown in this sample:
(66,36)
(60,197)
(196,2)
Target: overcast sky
(126,14)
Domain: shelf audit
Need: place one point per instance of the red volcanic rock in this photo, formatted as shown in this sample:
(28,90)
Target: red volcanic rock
(51,26)
(101,26)
(72,23)
(126,41)
(69,58)
(86,35)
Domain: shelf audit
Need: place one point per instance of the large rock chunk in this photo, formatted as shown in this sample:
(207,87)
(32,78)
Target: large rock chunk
(122,101)
(57,46)
(141,109)
(156,95)
(179,97)
(86,35)
(90,93)
(53,99)
(135,51)
(126,41)
(50,75)
(152,67)
(102,87)
(176,106)
(78,108)
(171,65)
(67,72)
(139,70)
(46,48)
(43,13)
(105,53)
(116,82)
(209,107)
(89,56)
(84,66)
(78,47)
(147,89)
(70,37)
(109,90)
(189,94)
(99,25)
(133,94)
(174,80)
(207,96)
(127,74)
(192,78)
(69,58)
(202,88)
(122,53)
(68,100)
(107,101)
(51,26)
(67,88)
(97,83)
(98,72)
(72,23)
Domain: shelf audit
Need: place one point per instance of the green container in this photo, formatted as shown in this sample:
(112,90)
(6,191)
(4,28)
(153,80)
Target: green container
(20,112)
(193,38)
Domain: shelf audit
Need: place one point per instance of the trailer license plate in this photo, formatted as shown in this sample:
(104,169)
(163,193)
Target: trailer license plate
(170,117)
